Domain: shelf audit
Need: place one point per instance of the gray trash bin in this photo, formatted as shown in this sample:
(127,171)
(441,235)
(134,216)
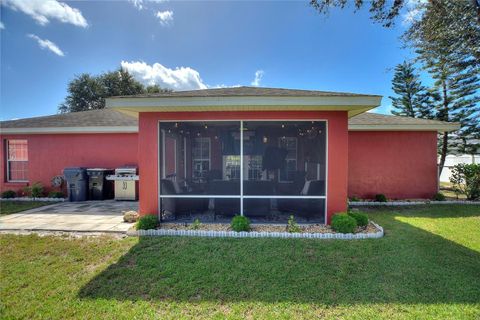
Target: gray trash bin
(77,183)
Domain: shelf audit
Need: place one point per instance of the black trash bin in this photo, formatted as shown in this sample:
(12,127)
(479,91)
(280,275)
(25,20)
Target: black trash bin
(77,183)
(98,187)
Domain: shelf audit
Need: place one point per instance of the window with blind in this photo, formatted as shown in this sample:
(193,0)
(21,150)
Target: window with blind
(17,160)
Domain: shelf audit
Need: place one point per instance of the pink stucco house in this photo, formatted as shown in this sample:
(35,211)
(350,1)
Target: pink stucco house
(260,152)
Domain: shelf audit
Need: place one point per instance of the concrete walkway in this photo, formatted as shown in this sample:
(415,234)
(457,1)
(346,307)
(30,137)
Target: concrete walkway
(93,216)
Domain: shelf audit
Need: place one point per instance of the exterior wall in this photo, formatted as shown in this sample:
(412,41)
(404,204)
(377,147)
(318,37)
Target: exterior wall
(399,164)
(337,150)
(49,154)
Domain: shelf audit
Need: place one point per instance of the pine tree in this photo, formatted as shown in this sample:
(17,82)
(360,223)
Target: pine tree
(455,92)
(413,99)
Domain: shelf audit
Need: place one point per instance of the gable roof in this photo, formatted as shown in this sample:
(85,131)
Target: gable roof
(245,99)
(245,91)
(108,120)
(92,121)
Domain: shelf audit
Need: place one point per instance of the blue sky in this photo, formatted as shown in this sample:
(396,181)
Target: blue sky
(217,44)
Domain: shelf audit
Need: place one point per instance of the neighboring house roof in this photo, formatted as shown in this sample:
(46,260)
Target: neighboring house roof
(107,120)
(380,122)
(245,99)
(245,91)
(92,121)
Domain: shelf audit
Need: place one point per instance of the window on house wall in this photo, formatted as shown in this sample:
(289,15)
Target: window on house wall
(287,174)
(254,167)
(201,158)
(17,160)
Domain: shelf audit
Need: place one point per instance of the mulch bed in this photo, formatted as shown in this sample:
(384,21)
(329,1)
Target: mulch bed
(310,228)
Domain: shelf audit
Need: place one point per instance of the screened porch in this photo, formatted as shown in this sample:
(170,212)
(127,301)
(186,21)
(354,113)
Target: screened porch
(265,170)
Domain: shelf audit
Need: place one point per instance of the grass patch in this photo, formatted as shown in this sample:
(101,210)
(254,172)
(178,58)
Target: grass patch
(8,207)
(427,266)
(447,189)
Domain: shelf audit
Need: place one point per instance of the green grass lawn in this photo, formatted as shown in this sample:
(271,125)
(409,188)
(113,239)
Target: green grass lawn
(426,267)
(8,207)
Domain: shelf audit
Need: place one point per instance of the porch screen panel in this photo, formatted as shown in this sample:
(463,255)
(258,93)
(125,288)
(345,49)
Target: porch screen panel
(202,179)
(284,159)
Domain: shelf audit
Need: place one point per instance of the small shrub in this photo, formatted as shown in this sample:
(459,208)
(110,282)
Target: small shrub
(380,197)
(56,194)
(24,192)
(34,191)
(37,190)
(149,221)
(439,197)
(196,224)
(465,179)
(360,218)
(292,225)
(343,223)
(354,199)
(240,223)
(8,194)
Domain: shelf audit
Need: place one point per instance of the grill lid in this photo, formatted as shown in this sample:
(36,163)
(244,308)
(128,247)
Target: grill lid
(130,170)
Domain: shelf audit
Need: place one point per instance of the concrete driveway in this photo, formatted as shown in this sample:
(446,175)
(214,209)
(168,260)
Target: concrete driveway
(93,216)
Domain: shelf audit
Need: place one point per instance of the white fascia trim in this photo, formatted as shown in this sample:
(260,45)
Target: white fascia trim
(219,103)
(70,130)
(405,127)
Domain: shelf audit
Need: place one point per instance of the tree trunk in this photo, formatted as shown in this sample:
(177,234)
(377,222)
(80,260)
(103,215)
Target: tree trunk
(443,154)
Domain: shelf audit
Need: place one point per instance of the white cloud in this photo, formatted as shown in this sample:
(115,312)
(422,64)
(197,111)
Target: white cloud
(47,44)
(183,78)
(43,11)
(165,17)
(258,78)
(137,4)
(219,86)
(383,109)
(140,4)
(2,26)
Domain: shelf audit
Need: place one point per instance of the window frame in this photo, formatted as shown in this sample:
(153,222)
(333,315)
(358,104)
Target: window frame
(201,158)
(288,158)
(8,161)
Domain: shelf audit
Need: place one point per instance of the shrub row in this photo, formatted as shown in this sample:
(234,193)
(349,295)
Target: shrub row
(36,190)
(382,198)
(341,222)
(150,221)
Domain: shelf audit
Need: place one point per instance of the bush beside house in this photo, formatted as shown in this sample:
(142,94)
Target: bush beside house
(465,179)
(343,223)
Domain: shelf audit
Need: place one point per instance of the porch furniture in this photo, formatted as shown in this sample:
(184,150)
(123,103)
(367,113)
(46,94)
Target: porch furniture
(306,208)
(255,207)
(225,206)
(176,206)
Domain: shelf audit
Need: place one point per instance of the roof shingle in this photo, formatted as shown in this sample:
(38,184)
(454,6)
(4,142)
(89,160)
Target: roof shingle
(92,118)
(112,118)
(369,118)
(247,92)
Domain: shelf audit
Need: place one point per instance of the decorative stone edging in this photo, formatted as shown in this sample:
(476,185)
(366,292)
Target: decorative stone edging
(254,234)
(408,203)
(33,199)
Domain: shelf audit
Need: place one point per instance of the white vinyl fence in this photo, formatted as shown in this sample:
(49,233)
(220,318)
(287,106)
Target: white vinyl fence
(452,160)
